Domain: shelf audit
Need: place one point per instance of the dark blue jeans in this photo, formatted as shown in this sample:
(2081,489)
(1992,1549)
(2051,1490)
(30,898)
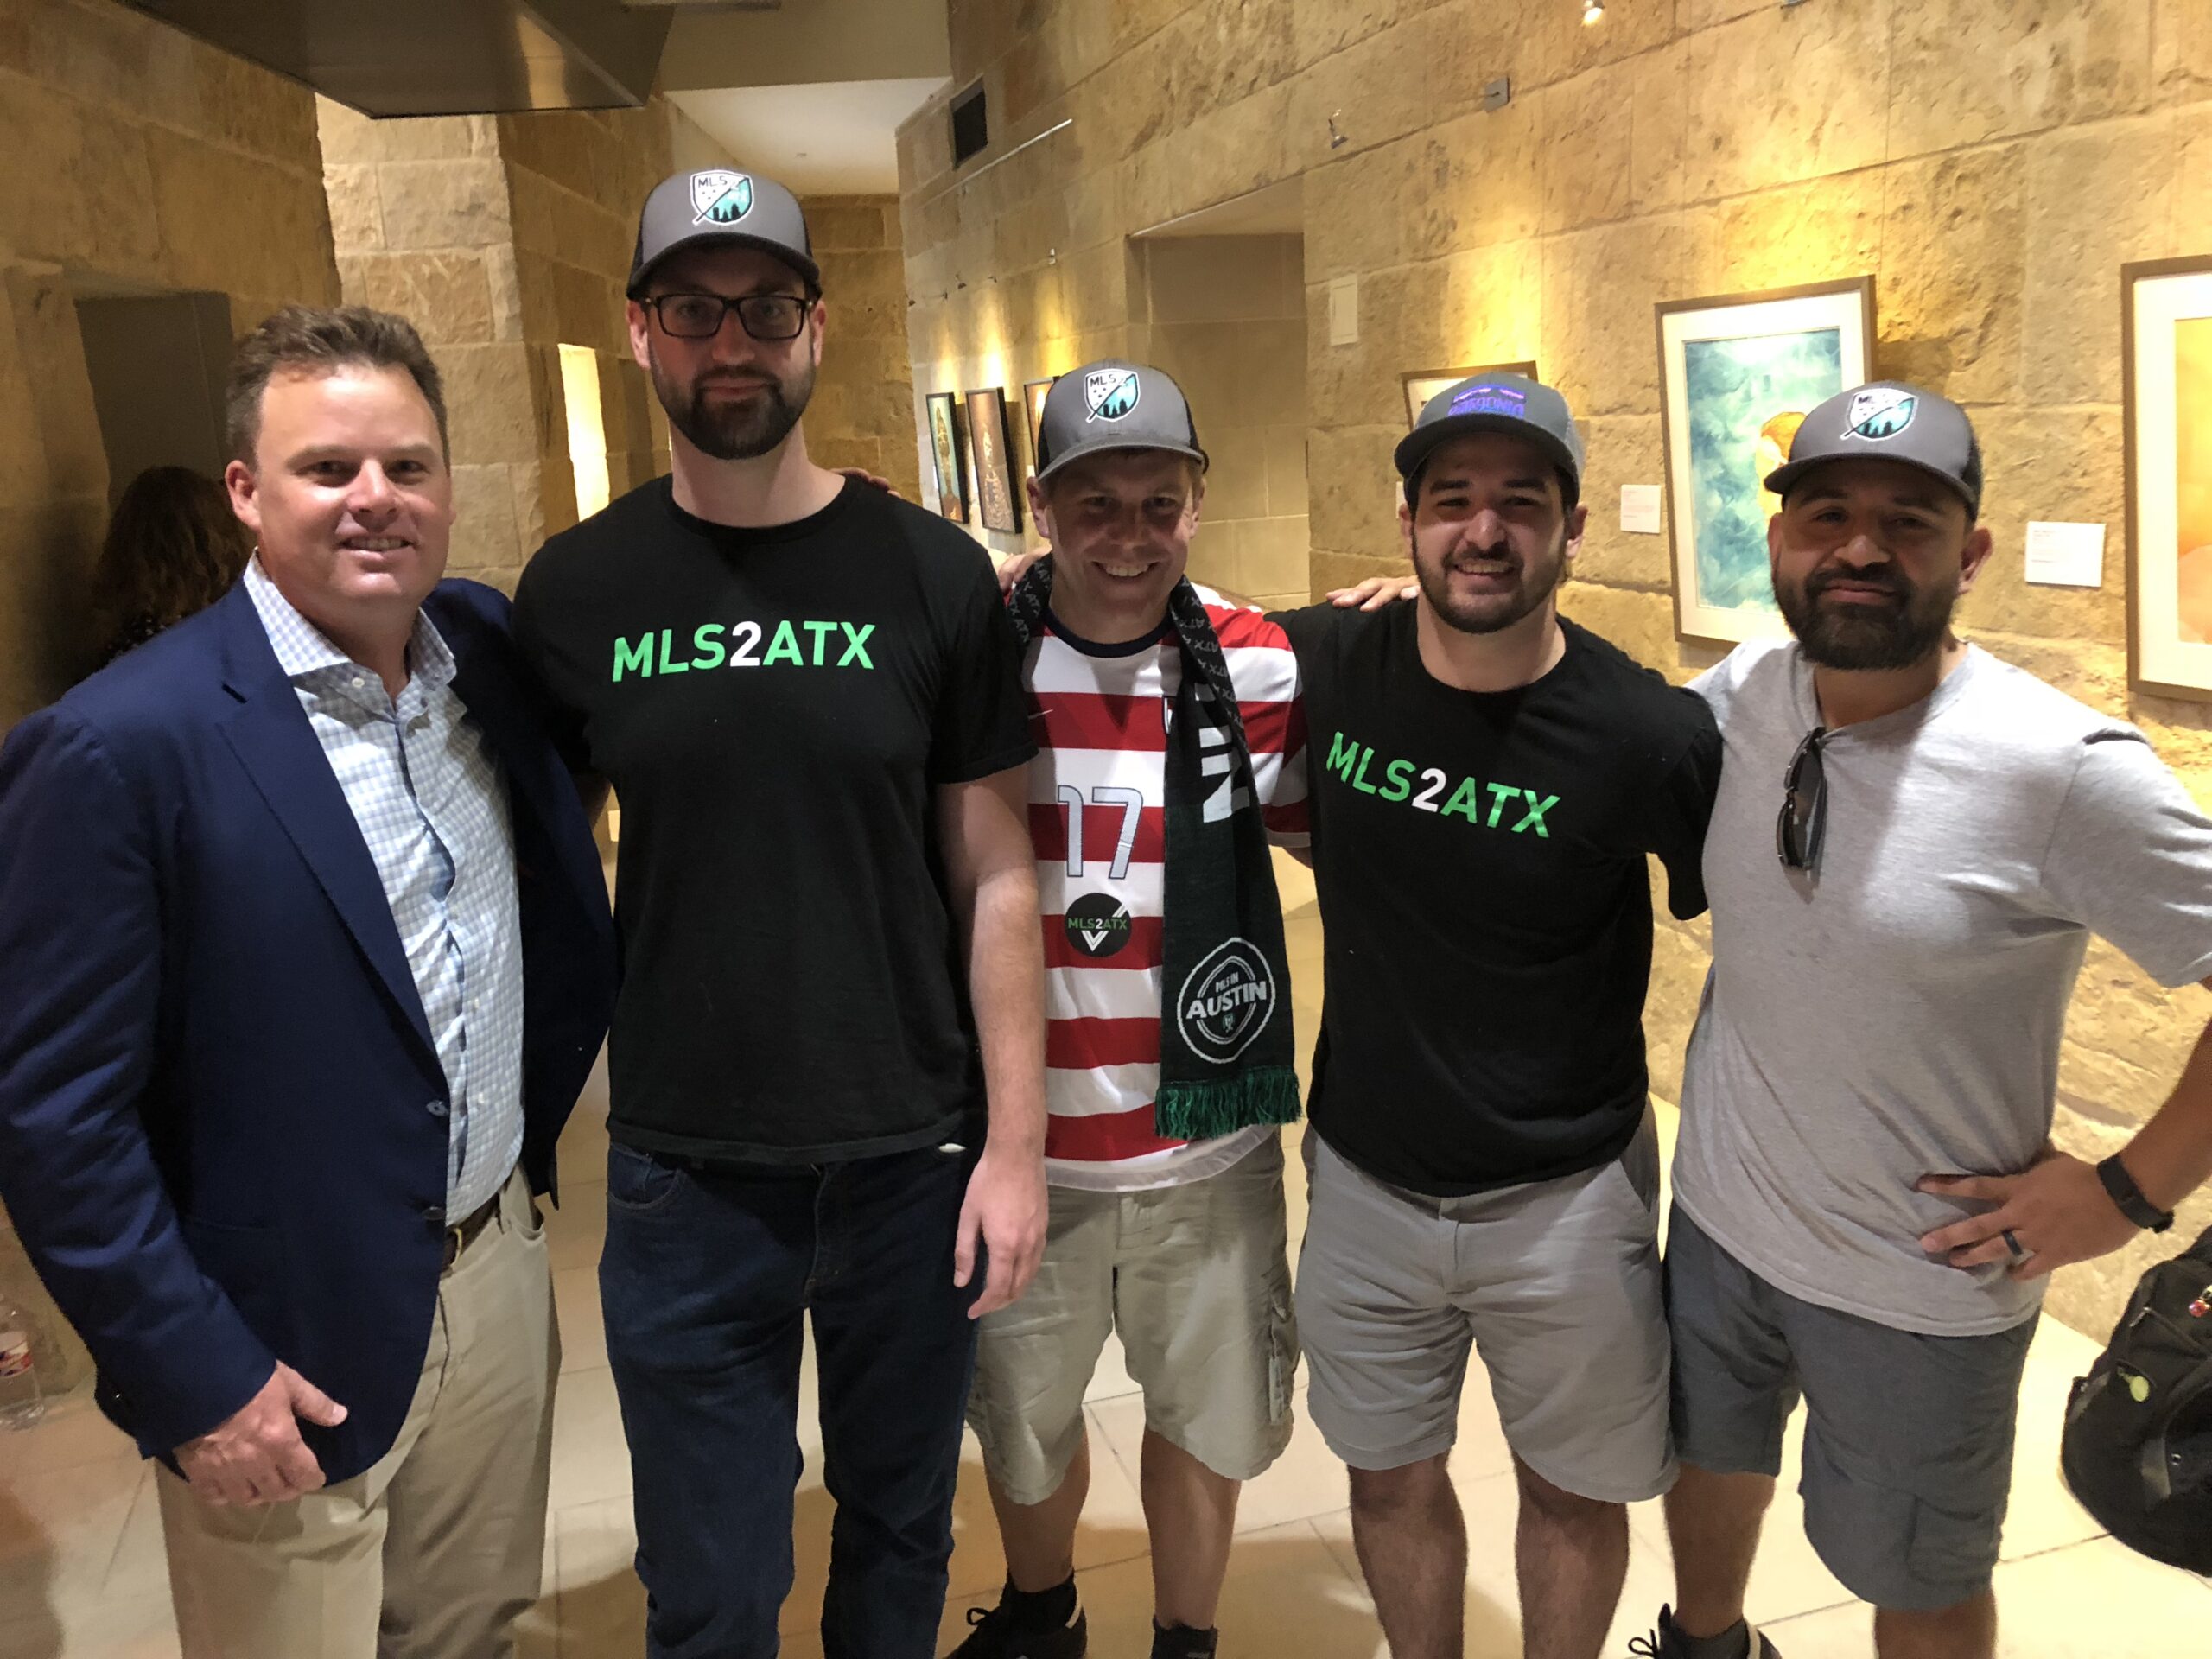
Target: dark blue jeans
(704,1280)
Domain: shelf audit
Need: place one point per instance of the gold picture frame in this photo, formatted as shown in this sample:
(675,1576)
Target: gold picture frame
(2166,403)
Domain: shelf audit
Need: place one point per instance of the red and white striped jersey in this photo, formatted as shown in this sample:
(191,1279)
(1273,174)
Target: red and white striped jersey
(1097,799)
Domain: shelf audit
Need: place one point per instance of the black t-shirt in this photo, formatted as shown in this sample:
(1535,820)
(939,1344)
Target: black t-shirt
(1486,903)
(775,709)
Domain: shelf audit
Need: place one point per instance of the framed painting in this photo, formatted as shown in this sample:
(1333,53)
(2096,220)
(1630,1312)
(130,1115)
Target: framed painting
(1737,376)
(2167,375)
(991,433)
(1032,400)
(1421,385)
(948,448)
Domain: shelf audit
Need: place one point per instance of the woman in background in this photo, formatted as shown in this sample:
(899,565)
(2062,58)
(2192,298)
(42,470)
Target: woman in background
(172,547)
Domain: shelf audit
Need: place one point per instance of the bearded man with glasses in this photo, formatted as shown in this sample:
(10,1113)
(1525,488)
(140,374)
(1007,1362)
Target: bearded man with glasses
(807,697)
(1868,1200)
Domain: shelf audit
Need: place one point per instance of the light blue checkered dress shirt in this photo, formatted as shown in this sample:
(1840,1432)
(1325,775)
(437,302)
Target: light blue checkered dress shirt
(433,809)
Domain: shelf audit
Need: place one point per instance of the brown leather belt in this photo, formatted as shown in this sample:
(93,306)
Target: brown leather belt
(460,1238)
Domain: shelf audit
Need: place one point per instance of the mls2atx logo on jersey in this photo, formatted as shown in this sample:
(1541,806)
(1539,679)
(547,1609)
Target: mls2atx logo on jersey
(834,645)
(720,197)
(1111,393)
(1349,762)
(1225,1002)
(1882,412)
(1098,925)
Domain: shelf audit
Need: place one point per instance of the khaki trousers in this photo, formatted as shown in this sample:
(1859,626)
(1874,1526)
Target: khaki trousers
(438,1547)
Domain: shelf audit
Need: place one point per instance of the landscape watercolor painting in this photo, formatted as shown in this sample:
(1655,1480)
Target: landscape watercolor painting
(1744,396)
(1737,376)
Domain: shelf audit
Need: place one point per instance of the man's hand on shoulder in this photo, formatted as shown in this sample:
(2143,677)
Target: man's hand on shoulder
(255,1456)
(862,475)
(1376,593)
(1016,566)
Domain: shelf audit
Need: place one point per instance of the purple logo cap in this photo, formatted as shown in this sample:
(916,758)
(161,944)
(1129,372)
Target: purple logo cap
(1491,400)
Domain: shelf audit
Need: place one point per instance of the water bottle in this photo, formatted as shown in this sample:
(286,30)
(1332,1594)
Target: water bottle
(21,1403)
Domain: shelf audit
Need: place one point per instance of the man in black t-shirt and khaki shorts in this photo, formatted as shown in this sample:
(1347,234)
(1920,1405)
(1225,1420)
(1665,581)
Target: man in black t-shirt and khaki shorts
(1487,782)
(808,697)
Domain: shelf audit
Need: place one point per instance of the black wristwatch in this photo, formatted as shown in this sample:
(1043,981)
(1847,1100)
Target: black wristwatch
(2129,1196)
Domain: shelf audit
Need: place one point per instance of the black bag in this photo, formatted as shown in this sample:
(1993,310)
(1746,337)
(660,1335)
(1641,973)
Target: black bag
(2138,1448)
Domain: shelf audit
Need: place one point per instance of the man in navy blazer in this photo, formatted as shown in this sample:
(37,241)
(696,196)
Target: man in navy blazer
(306,956)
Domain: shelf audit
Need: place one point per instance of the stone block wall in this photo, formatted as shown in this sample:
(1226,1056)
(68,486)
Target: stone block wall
(423,225)
(1226,316)
(863,409)
(1992,166)
(578,178)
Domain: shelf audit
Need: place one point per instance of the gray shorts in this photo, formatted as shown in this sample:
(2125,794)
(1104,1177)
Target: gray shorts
(1907,1438)
(1556,1283)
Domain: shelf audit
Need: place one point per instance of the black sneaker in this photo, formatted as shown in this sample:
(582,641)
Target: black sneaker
(1668,1642)
(1002,1633)
(1181,1641)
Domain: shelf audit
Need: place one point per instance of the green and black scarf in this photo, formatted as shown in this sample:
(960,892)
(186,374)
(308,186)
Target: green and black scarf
(1225,1042)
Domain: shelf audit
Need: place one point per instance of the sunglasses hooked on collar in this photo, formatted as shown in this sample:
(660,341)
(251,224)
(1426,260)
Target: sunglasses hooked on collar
(1803,823)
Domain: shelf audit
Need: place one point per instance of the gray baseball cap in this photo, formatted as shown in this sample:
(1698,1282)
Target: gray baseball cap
(1511,404)
(1889,421)
(1111,404)
(724,207)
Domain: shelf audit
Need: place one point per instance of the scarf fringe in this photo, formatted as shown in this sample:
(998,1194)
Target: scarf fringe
(1219,1106)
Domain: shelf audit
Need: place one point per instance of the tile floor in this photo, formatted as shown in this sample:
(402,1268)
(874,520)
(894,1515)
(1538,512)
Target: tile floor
(81,1571)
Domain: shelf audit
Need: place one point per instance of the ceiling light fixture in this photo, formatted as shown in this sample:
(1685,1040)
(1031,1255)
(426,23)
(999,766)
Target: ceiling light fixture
(1594,12)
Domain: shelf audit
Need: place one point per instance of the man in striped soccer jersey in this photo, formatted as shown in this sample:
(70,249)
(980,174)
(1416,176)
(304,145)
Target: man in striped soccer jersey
(1170,747)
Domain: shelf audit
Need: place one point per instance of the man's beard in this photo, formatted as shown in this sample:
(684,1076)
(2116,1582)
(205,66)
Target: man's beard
(735,428)
(1495,613)
(1862,636)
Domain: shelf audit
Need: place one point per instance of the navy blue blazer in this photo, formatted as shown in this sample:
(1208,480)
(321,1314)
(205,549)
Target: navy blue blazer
(222,1128)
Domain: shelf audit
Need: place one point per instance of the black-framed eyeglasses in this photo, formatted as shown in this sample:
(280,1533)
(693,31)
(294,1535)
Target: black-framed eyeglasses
(1804,815)
(699,316)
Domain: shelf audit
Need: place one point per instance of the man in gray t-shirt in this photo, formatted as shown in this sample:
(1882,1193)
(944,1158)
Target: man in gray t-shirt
(1866,1199)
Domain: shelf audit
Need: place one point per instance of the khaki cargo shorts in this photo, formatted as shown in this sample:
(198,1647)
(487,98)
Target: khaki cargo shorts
(1196,1279)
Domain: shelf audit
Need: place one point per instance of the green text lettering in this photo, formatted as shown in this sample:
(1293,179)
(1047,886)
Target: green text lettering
(667,665)
(1359,778)
(821,631)
(637,659)
(856,644)
(1401,774)
(1466,801)
(1536,811)
(1500,794)
(709,652)
(1343,756)
(784,648)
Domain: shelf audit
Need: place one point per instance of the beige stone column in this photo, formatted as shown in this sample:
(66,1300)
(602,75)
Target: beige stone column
(423,225)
